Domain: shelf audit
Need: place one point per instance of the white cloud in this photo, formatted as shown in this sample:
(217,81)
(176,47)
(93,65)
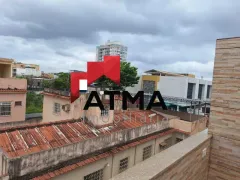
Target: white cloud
(165,35)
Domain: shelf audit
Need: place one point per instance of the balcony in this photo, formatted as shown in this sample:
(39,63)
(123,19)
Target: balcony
(12,83)
(5,68)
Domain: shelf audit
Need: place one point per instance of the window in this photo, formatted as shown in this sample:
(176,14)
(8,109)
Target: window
(18,103)
(147,152)
(190,91)
(123,165)
(104,112)
(200,90)
(162,146)
(57,108)
(97,175)
(5,108)
(168,141)
(208,91)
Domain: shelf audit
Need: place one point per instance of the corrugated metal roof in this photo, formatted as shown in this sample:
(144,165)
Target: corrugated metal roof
(19,141)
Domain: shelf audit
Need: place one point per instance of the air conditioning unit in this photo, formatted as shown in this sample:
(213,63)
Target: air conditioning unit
(66,107)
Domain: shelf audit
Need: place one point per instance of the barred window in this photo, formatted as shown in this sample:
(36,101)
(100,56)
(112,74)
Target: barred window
(18,103)
(57,108)
(147,152)
(97,175)
(123,165)
(104,112)
(5,108)
(162,146)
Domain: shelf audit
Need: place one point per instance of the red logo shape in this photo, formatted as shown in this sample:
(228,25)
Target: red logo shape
(110,67)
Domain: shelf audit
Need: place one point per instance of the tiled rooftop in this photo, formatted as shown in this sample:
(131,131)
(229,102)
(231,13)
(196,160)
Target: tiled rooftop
(114,150)
(19,141)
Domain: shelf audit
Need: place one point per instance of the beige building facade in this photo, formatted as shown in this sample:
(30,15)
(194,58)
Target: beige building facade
(57,107)
(6,67)
(119,162)
(12,94)
(22,69)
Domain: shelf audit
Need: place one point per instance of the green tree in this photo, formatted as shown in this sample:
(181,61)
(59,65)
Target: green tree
(62,82)
(128,78)
(34,103)
(47,84)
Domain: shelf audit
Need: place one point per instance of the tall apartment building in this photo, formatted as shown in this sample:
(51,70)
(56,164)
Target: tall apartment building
(12,94)
(21,69)
(111,48)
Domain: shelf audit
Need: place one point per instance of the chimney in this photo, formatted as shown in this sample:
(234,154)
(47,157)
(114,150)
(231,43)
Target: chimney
(100,118)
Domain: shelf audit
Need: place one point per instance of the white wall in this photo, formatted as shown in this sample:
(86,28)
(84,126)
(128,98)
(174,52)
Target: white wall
(173,86)
(197,82)
(28,71)
(177,86)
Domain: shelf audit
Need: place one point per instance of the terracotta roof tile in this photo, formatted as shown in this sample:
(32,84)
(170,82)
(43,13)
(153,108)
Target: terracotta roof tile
(12,90)
(22,140)
(105,154)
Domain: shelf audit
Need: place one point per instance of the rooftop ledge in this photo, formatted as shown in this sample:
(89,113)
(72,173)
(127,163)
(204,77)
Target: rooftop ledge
(165,161)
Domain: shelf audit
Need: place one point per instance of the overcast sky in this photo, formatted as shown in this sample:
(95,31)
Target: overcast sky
(169,35)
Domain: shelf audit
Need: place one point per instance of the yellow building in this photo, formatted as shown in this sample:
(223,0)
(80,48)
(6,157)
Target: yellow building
(150,81)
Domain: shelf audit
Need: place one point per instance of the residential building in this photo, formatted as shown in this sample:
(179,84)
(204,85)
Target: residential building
(82,149)
(6,68)
(111,49)
(21,69)
(77,149)
(12,94)
(93,143)
(212,154)
(176,85)
(57,106)
(181,92)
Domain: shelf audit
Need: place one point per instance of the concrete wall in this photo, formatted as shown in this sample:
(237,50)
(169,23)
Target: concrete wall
(13,83)
(162,139)
(130,153)
(186,160)
(3,165)
(178,86)
(93,114)
(17,112)
(111,164)
(38,161)
(5,70)
(139,150)
(28,72)
(191,166)
(224,122)
(76,108)
(20,123)
(190,127)
(173,86)
(79,173)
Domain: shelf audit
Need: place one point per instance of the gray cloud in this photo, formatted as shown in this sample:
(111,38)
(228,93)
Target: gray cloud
(168,35)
